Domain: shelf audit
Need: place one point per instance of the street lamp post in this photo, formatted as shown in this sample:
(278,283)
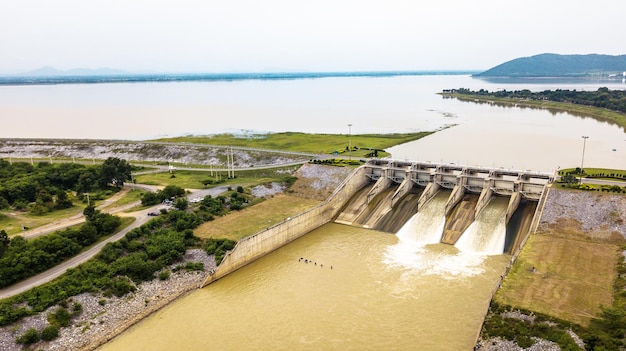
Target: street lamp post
(350,141)
(582,162)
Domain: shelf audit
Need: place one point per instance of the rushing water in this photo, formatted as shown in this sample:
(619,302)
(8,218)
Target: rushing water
(488,232)
(426,226)
(380,293)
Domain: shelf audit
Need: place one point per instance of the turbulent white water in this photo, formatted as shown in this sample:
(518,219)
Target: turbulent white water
(426,226)
(418,237)
(487,235)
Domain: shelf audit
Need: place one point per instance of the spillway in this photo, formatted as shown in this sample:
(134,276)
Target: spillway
(401,213)
(487,235)
(426,226)
(355,207)
(376,209)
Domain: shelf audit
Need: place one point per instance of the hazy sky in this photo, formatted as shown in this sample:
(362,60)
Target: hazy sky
(320,35)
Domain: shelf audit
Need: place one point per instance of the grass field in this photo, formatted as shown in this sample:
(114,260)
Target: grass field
(592,171)
(239,224)
(12,221)
(565,276)
(194,179)
(309,143)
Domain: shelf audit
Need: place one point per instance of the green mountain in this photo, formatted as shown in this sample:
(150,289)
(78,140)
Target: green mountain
(554,65)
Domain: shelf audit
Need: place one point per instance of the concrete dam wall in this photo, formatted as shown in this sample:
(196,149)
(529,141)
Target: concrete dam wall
(459,194)
(260,244)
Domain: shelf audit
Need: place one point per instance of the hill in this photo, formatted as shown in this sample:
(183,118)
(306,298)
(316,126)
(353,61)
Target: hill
(555,65)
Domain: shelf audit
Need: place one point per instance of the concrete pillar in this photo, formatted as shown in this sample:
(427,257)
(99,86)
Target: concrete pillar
(456,195)
(485,196)
(429,193)
(381,184)
(514,202)
(403,189)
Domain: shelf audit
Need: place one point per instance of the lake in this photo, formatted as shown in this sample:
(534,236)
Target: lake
(509,137)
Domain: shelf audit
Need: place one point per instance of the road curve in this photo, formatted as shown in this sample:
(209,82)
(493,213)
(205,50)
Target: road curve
(141,217)
(54,272)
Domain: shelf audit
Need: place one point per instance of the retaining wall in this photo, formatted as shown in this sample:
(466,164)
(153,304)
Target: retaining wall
(260,244)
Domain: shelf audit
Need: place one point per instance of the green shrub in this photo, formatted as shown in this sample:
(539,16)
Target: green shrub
(60,318)
(49,333)
(31,336)
(77,308)
(164,275)
(194,266)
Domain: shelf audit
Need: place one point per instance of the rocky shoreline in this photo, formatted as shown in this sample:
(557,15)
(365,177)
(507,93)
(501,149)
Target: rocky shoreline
(104,318)
(135,151)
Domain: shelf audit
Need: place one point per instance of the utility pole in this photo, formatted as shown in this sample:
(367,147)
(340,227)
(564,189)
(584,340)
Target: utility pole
(582,162)
(350,141)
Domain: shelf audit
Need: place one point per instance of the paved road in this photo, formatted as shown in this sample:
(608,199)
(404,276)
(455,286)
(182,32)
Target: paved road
(79,218)
(163,169)
(603,182)
(141,217)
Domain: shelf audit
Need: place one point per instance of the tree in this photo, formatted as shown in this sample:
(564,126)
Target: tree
(62,201)
(172,191)
(4,241)
(181,203)
(570,179)
(114,171)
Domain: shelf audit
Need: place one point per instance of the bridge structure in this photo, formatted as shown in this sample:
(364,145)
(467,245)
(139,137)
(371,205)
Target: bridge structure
(460,179)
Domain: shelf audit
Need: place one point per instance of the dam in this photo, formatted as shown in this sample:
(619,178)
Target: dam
(460,199)
(385,195)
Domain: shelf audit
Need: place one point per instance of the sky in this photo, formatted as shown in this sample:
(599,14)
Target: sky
(172,36)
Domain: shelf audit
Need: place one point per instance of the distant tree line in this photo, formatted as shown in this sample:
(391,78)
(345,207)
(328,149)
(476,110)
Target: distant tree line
(43,187)
(603,97)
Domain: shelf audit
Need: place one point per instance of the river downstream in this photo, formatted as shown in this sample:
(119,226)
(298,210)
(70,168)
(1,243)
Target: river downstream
(363,290)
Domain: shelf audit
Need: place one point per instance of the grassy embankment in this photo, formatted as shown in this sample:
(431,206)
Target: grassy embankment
(197,179)
(573,275)
(250,220)
(579,110)
(325,144)
(567,276)
(597,173)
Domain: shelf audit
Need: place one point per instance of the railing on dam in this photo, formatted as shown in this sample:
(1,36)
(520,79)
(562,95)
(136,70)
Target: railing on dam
(472,179)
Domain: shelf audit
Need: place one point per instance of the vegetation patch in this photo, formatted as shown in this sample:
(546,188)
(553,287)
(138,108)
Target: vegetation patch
(21,258)
(310,143)
(208,178)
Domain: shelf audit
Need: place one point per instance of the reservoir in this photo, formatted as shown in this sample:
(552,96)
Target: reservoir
(477,134)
